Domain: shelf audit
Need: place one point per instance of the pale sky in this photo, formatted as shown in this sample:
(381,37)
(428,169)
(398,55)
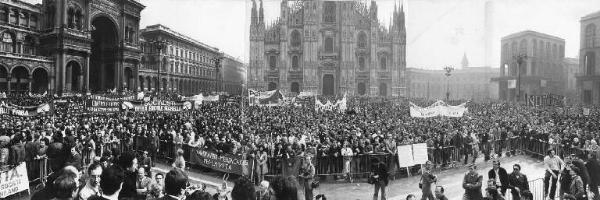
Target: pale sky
(438,31)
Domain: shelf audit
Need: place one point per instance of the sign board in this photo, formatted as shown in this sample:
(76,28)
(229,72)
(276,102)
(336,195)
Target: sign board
(405,155)
(13,181)
(420,153)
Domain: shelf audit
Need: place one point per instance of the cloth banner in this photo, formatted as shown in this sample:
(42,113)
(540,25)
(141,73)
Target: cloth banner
(14,180)
(211,98)
(340,105)
(439,108)
(22,111)
(222,162)
(103,104)
(157,106)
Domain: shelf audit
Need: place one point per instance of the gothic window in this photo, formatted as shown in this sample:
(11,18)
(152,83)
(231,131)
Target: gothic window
(172,67)
(295,62)
(383,63)
(329,45)
(362,40)
(272,62)
(329,12)
(8,42)
(361,63)
(514,48)
(590,34)
(535,48)
(78,19)
(3,15)
(295,38)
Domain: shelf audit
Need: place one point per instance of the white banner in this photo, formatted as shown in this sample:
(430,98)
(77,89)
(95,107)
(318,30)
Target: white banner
(419,153)
(13,181)
(512,84)
(439,108)
(340,105)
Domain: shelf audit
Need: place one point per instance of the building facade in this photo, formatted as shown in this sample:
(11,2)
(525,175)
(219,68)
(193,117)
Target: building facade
(571,70)
(467,83)
(54,46)
(541,71)
(328,48)
(588,80)
(187,66)
(234,72)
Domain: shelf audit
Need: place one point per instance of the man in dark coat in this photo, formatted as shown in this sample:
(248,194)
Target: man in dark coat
(472,184)
(499,175)
(518,184)
(583,172)
(593,168)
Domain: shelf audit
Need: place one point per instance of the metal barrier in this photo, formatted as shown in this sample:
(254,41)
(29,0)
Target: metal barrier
(536,188)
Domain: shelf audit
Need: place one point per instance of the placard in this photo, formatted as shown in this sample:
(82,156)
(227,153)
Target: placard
(222,162)
(13,181)
(405,156)
(420,153)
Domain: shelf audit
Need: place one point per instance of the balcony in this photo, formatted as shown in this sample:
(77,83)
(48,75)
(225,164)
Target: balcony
(328,55)
(25,57)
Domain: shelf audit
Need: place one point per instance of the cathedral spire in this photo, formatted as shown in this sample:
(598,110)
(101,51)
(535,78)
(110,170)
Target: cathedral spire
(261,15)
(465,62)
(253,13)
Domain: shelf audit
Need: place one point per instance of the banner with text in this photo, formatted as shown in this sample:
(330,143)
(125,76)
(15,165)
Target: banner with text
(157,106)
(97,103)
(439,108)
(13,181)
(222,162)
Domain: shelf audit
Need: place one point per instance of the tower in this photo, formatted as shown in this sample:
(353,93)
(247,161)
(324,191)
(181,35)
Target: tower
(256,71)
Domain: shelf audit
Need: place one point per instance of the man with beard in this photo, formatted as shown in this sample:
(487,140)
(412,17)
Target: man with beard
(92,186)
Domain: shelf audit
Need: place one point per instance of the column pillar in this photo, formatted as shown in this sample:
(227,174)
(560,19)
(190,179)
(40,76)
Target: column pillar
(86,79)
(136,79)
(68,78)
(51,86)
(81,80)
(8,80)
(29,82)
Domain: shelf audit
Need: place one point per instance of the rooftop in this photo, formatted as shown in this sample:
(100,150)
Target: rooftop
(591,16)
(531,33)
(160,27)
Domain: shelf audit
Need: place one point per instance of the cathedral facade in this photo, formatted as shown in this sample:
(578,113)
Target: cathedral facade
(328,48)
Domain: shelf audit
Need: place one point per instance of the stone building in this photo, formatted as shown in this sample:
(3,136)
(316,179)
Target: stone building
(234,72)
(588,80)
(328,48)
(465,83)
(54,46)
(572,71)
(186,65)
(541,72)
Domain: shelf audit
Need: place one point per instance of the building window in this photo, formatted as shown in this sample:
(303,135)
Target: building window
(272,62)
(3,15)
(295,62)
(295,38)
(523,47)
(362,40)
(13,16)
(329,45)
(28,45)
(590,63)
(383,63)
(361,63)
(590,35)
(8,42)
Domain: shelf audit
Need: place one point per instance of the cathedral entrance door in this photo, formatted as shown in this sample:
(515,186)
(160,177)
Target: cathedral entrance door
(328,85)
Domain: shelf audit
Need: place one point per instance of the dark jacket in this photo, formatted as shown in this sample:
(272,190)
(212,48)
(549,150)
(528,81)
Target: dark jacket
(503,176)
(381,169)
(472,185)
(518,181)
(593,168)
(583,172)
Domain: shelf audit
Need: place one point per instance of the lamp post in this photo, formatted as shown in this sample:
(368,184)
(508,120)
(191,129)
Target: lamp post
(160,45)
(520,59)
(448,73)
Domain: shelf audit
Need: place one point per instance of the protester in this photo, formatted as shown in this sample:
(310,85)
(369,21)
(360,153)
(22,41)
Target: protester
(380,174)
(65,186)
(499,175)
(439,193)
(243,190)
(427,179)
(593,168)
(92,185)
(156,188)
(307,177)
(284,188)
(576,189)
(553,165)
(518,183)
(472,184)
(128,161)
(111,183)
(175,183)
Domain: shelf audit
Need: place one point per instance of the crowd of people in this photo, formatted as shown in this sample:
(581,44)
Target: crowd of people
(82,139)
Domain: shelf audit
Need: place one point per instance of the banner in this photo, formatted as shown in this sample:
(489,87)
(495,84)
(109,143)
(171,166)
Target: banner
(23,111)
(420,153)
(156,106)
(222,162)
(13,181)
(340,105)
(438,108)
(103,104)
(545,100)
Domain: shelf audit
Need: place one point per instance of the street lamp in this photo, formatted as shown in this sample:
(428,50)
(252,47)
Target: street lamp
(159,44)
(448,73)
(520,59)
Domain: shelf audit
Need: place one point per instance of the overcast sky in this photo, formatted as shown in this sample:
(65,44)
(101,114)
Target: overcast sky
(438,31)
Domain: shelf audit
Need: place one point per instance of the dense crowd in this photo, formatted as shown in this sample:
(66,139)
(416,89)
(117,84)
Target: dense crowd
(258,133)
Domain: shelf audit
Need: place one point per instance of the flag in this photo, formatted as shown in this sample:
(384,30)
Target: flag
(253,93)
(43,108)
(127,105)
(512,84)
